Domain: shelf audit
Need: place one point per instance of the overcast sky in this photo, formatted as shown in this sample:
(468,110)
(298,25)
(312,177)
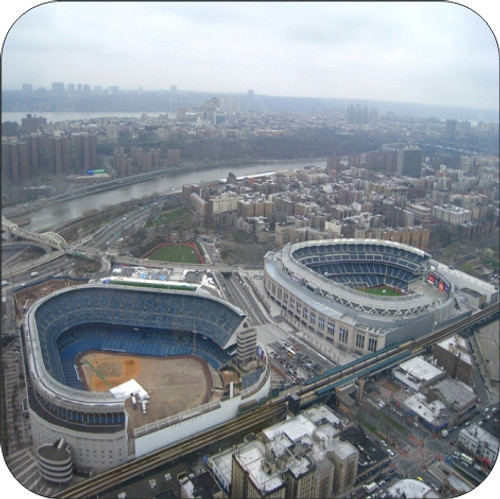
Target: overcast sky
(428,52)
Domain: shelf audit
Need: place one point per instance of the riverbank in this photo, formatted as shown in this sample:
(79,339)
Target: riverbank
(178,175)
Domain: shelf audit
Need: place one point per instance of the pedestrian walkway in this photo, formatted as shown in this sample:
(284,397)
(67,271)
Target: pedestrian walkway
(23,466)
(18,434)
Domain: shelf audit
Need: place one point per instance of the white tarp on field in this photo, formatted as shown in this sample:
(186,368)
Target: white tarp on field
(128,389)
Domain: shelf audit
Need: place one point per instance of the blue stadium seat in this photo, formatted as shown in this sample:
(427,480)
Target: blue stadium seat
(83,319)
(370,264)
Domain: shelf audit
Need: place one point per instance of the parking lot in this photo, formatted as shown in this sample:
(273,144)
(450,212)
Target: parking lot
(297,360)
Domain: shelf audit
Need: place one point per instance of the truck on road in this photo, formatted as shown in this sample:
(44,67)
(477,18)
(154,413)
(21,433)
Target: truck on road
(370,487)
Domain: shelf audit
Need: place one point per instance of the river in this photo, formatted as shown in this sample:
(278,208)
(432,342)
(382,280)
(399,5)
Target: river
(57,117)
(57,214)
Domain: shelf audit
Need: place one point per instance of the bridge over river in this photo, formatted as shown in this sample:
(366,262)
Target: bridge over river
(51,239)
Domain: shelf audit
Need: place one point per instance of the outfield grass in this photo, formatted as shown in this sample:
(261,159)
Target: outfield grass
(490,263)
(169,216)
(382,291)
(175,253)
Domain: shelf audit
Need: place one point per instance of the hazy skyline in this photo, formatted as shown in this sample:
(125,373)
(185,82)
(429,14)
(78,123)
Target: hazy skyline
(424,52)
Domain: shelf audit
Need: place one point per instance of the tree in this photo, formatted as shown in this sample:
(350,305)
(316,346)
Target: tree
(487,253)
(468,267)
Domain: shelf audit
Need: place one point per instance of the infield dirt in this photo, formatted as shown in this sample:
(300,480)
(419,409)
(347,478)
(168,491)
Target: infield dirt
(174,384)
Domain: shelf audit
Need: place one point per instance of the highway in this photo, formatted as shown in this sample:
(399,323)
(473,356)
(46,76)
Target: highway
(91,247)
(240,295)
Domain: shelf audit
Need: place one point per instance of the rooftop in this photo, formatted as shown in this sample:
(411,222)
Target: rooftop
(295,428)
(292,445)
(251,457)
(458,346)
(344,449)
(434,412)
(476,432)
(420,369)
(455,393)
(409,487)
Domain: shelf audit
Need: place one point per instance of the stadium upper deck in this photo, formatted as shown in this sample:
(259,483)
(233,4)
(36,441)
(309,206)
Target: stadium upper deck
(51,318)
(335,269)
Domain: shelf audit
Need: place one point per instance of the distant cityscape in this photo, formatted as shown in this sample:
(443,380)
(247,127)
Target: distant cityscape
(83,97)
(195,127)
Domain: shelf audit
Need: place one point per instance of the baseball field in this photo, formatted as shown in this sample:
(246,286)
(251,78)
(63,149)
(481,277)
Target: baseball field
(174,384)
(186,252)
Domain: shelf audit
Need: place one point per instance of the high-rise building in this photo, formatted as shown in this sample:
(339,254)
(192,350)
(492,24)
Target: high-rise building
(454,356)
(354,160)
(231,104)
(15,160)
(58,88)
(422,214)
(32,124)
(271,470)
(246,349)
(112,134)
(173,98)
(85,151)
(23,154)
(7,170)
(58,153)
(250,101)
(409,162)
(35,153)
(333,162)
(145,161)
(299,457)
(173,157)
(455,215)
(386,159)
(451,129)
(345,459)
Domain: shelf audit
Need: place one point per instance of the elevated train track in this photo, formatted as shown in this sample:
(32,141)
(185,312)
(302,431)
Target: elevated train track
(341,375)
(309,392)
(132,469)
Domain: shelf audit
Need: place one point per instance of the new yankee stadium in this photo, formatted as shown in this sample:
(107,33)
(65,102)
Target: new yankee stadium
(358,295)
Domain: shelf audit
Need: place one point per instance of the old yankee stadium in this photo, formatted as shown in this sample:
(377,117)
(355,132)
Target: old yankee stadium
(133,326)
(359,295)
